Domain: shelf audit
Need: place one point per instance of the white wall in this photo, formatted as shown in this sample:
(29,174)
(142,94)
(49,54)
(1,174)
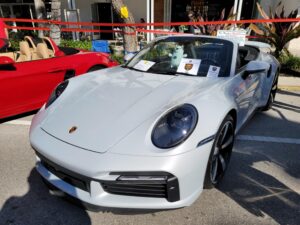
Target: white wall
(137,8)
(294,45)
(289,5)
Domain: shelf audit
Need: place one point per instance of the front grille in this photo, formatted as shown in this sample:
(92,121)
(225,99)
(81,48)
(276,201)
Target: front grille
(168,188)
(74,180)
(129,188)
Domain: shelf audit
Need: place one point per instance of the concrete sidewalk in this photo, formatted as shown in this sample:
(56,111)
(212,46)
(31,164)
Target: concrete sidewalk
(289,83)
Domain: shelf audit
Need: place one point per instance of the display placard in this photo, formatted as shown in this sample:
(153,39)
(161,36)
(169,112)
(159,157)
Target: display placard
(238,35)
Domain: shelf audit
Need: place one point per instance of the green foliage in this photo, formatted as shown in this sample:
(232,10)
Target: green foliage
(14,44)
(118,58)
(85,45)
(279,33)
(290,62)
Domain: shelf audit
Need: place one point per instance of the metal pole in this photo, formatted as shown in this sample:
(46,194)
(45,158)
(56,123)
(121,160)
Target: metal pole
(152,18)
(71,4)
(148,18)
(235,7)
(239,10)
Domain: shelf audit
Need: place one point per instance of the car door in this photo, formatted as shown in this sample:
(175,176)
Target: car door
(25,86)
(246,91)
(252,83)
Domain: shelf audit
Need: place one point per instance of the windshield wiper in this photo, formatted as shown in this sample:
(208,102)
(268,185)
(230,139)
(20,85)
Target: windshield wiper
(176,73)
(165,72)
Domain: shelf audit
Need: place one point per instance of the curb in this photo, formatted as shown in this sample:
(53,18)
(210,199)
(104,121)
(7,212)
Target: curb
(289,88)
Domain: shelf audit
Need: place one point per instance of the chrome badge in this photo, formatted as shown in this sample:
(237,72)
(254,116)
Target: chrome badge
(72,129)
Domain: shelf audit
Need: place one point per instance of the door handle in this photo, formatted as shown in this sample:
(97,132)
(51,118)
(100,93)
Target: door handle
(56,70)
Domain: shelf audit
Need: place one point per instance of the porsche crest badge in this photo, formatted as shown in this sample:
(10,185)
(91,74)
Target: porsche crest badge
(72,129)
(188,66)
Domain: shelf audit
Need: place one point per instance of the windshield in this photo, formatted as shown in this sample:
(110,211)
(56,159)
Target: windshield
(194,56)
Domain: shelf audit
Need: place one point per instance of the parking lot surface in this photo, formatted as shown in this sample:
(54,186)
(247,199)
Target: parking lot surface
(262,184)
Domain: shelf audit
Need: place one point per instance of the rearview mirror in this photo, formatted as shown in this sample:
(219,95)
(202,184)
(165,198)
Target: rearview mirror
(256,67)
(6,61)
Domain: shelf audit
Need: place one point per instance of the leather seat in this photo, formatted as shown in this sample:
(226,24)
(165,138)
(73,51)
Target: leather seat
(47,41)
(25,53)
(42,51)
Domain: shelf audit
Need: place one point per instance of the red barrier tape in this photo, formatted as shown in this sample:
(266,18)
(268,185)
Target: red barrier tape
(153,24)
(137,25)
(111,31)
(69,30)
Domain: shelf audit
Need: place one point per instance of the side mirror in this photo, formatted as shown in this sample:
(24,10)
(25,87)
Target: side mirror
(128,56)
(255,67)
(6,61)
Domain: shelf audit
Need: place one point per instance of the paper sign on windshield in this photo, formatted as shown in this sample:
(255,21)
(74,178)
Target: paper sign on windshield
(213,71)
(236,35)
(189,66)
(144,65)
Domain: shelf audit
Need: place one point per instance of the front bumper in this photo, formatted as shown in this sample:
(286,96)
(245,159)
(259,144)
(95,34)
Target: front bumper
(100,170)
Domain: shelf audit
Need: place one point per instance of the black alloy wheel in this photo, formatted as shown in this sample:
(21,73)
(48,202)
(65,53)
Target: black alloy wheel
(220,153)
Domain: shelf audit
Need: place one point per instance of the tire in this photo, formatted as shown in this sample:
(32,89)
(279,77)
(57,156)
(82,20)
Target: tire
(95,68)
(272,94)
(220,154)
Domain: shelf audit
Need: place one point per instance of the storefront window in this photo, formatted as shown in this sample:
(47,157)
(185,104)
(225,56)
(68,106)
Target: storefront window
(209,10)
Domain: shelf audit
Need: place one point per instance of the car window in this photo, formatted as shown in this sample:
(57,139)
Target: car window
(196,56)
(245,55)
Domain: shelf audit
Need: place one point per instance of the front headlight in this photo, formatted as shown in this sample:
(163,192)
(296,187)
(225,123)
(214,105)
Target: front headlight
(175,127)
(57,92)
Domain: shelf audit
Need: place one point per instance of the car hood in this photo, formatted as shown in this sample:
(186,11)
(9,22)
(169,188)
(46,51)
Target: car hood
(114,102)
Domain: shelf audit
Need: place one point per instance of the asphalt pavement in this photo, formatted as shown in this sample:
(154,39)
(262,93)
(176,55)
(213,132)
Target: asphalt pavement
(262,184)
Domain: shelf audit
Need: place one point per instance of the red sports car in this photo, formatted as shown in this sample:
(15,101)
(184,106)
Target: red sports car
(28,76)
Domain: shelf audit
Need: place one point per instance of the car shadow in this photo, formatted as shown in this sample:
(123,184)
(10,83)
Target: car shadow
(37,206)
(263,177)
(292,93)
(286,106)
(41,205)
(18,116)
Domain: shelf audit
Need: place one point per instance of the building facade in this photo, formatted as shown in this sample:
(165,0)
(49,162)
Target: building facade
(149,10)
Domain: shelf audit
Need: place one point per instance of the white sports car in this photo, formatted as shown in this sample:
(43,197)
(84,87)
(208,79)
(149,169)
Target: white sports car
(153,132)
